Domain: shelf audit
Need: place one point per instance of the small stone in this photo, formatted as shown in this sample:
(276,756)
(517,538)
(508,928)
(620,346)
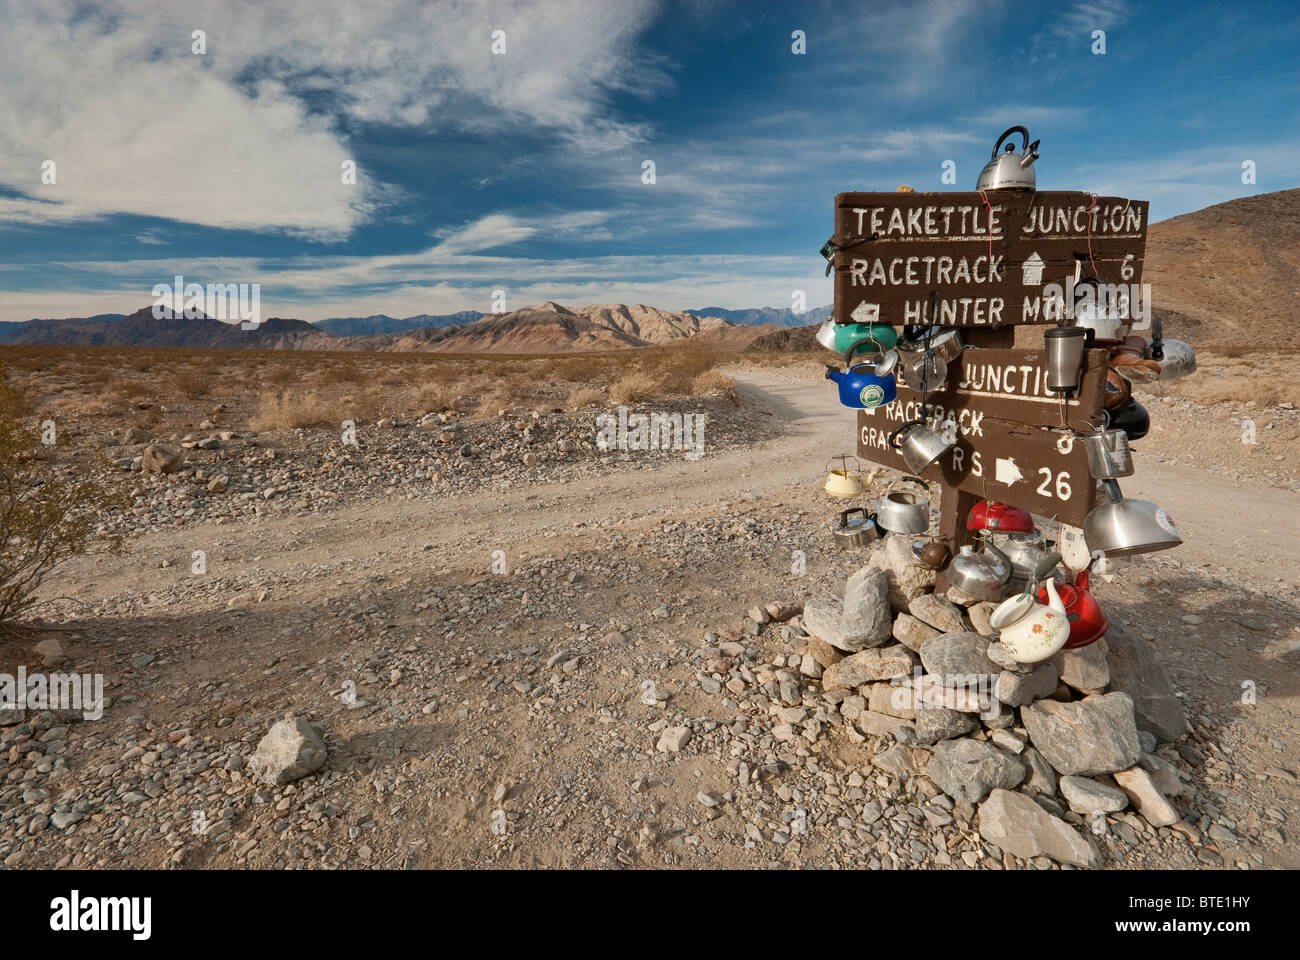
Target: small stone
(1084,668)
(968,769)
(1087,796)
(160,458)
(911,632)
(1146,798)
(1017,689)
(673,739)
(896,761)
(979,617)
(952,658)
(869,665)
(937,612)
(937,723)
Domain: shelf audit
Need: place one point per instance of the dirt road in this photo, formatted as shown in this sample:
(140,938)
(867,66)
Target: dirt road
(624,573)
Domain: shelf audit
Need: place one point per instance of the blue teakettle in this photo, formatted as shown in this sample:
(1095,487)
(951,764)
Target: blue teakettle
(861,388)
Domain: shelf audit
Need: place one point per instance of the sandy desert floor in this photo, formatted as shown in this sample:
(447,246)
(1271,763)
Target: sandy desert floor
(449,692)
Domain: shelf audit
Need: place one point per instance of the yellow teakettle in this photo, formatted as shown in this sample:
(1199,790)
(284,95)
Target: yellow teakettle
(844,483)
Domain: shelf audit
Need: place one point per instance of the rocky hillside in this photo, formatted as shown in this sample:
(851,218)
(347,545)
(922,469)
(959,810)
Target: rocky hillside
(1228,276)
(549,327)
(767,316)
(380,323)
(142,329)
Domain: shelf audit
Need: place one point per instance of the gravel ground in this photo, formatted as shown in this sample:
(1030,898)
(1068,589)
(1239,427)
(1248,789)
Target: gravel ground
(533,717)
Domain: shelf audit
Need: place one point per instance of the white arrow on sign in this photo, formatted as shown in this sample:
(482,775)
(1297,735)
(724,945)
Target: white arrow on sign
(1006,471)
(866,312)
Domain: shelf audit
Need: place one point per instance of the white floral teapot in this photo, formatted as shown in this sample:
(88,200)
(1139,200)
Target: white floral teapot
(1030,631)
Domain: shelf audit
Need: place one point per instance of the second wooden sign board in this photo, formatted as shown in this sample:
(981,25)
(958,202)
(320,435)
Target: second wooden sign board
(1006,385)
(986,258)
(1043,471)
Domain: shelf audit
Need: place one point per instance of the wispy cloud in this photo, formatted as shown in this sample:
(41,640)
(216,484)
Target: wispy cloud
(253,133)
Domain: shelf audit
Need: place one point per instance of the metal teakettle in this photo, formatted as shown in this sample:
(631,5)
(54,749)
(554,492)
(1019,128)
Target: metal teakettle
(1109,456)
(1010,169)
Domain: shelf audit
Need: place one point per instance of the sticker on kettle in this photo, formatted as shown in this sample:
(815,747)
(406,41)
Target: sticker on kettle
(872,395)
(1166,522)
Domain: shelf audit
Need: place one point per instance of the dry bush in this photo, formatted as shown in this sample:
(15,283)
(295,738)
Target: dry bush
(582,367)
(191,383)
(288,410)
(362,406)
(713,383)
(44,517)
(580,397)
(281,375)
(340,371)
(433,397)
(636,387)
(493,402)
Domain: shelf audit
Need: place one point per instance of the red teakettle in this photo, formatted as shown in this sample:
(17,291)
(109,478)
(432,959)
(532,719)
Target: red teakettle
(988,515)
(1088,623)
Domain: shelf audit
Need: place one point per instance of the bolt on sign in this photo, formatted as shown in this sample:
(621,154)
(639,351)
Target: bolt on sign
(986,258)
(1039,470)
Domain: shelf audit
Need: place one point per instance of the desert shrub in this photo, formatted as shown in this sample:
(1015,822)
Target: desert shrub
(713,383)
(288,410)
(433,397)
(493,402)
(339,371)
(580,397)
(45,517)
(191,382)
(635,387)
(281,375)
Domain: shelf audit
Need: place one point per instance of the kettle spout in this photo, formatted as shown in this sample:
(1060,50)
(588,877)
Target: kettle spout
(1053,598)
(833,374)
(1030,154)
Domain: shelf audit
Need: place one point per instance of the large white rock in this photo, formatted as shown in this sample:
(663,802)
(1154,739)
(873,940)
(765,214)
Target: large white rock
(290,750)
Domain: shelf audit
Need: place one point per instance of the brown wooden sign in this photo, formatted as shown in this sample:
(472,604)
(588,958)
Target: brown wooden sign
(986,264)
(1043,471)
(1005,385)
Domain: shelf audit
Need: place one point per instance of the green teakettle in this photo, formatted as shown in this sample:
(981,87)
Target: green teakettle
(841,337)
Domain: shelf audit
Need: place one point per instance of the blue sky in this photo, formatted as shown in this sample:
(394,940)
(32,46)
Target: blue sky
(522,171)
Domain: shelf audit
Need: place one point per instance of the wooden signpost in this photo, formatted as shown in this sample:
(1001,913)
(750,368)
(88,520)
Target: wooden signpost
(986,263)
(987,257)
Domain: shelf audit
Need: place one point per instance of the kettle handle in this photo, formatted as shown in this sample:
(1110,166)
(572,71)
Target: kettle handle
(1017,129)
(844,515)
(905,479)
(895,442)
(1157,345)
(844,459)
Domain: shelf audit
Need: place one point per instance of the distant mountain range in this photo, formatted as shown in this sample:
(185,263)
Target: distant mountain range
(381,323)
(142,329)
(545,328)
(777,316)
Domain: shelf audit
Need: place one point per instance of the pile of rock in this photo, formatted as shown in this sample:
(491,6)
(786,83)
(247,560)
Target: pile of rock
(1042,749)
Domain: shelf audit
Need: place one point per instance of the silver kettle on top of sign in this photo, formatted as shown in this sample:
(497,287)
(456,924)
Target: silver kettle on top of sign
(1010,170)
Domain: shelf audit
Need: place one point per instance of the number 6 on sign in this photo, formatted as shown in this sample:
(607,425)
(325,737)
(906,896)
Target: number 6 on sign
(1063,490)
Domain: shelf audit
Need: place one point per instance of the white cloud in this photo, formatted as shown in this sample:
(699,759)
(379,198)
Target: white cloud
(247,136)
